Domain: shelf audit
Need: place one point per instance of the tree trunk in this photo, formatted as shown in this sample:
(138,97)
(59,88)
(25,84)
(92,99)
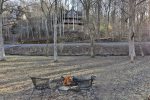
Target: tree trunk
(149,9)
(60,24)
(141,49)
(98,16)
(131,29)
(55,33)
(92,46)
(108,17)
(140,33)
(2,52)
(91,35)
(122,20)
(113,15)
(83,16)
(39,26)
(28,32)
(131,49)
(63,22)
(48,37)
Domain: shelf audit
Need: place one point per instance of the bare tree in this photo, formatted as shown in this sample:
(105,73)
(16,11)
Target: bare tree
(149,9)
(132,29)
(141,10)
(2,51)
(108,15)
(87,4)
(132,13)
(55,33)
(98,2)
(123,17)
(46,10)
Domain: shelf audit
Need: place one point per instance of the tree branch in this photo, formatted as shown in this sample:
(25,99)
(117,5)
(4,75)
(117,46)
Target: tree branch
(140,2)
(124,1)
(5,0)
(124,11)
(82,3)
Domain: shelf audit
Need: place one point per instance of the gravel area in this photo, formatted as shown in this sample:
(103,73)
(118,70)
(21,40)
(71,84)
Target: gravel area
(117,78)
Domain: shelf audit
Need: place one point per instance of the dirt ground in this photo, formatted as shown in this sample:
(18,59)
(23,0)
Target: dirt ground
(117,78)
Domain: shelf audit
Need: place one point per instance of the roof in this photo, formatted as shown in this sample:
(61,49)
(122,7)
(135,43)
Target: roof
(73,12)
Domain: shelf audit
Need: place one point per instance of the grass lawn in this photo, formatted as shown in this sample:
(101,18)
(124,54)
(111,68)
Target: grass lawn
(117,78)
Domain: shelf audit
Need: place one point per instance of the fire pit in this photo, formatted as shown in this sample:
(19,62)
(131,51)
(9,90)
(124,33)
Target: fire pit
(78,85)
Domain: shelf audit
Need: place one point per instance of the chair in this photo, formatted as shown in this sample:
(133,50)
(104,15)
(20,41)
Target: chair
(41,84)
(86,85)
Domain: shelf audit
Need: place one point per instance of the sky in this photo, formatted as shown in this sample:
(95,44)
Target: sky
(63,1)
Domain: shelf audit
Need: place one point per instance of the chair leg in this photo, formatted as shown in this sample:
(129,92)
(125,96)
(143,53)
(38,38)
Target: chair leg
(42,93)
(86,94)
(31,94)
(94,94)
(49,94)
(92,91)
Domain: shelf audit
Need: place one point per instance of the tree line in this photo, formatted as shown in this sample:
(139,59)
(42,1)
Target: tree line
(124,17)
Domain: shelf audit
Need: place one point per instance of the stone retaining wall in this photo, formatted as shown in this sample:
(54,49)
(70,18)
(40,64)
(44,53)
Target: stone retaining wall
(104,49)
